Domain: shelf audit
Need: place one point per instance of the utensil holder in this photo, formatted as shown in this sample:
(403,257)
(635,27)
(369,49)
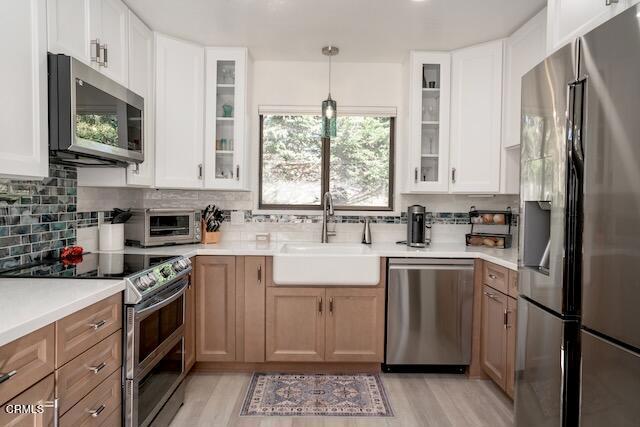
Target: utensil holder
(111,237)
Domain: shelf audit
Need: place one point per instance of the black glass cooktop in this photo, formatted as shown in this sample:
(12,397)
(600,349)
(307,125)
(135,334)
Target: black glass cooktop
(90,266)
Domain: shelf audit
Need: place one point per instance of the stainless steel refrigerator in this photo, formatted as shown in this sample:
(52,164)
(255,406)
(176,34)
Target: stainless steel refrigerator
(578,353)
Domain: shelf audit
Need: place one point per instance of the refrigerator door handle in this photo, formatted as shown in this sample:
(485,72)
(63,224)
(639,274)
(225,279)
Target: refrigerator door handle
(574,196)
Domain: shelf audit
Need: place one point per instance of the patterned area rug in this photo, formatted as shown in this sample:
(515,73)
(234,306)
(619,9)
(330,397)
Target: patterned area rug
(359,395)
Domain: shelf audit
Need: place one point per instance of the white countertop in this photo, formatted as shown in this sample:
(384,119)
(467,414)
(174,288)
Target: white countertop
(505,257)
(30,304)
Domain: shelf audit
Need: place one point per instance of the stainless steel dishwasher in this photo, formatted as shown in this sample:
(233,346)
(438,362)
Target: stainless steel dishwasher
(429,310)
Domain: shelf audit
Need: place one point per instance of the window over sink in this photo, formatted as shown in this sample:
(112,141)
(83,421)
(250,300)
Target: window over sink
(297,166)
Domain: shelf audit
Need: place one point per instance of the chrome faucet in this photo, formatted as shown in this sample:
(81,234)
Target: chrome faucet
(327,211)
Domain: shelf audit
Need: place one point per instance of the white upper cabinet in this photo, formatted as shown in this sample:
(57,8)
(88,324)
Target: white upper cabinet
(141,81)
(476,117)
(92,31)
(568,19)
(141,68)
(226,117)
(179,113)
(68,28)
(24,146)
(524,49)
(108,24)
(429,103)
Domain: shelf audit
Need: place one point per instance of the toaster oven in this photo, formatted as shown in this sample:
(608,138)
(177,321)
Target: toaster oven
(162,227)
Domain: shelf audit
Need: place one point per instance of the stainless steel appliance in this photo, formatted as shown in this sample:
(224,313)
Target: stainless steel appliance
(154,343)
(93,121)
(578,357)
(429,314)
(160,227)
(416,226)
(154,366)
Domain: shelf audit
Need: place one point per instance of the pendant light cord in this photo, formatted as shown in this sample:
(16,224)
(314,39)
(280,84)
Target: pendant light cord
(329,76)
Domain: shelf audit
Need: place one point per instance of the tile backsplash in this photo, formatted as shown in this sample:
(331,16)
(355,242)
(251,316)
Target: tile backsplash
(37,218)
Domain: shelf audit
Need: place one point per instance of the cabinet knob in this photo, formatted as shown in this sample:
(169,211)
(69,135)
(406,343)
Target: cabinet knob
(415,176)
(200,173)
(259,274)
(238,172)
(610,2)
(95,50)
(453,175)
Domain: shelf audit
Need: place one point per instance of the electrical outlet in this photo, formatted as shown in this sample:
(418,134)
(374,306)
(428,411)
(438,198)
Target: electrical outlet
(237,217)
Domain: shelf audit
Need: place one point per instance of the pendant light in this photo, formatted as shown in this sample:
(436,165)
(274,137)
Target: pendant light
(329,106)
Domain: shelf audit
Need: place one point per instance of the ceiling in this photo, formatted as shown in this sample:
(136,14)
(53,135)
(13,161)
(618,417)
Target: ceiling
(365,30)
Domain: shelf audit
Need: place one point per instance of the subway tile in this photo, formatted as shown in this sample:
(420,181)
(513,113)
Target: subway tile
(20,229)
(38,228)
(20,250)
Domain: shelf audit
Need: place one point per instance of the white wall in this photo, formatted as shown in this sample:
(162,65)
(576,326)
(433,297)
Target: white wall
(291,83)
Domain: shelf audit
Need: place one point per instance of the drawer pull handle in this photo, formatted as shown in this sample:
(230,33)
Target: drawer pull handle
(95,413)
(490,295)
(7,376)
(493,276)
(98,368)
(98,325)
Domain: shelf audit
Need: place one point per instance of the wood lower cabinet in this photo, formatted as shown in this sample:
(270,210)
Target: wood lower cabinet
(295,324)
(325,324)
(25,361)
(355,325)
(493,335)
(512,315)
(498,326)
(512,290)
(190,326)
(81,375)
(82,330)
(96,407)
(215,308)
(254,309)
(38,394)
(495,276)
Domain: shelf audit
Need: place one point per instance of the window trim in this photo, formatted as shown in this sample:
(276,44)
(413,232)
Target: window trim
(325,174)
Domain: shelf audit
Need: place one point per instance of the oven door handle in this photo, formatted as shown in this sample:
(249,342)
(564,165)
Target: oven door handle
(165,301)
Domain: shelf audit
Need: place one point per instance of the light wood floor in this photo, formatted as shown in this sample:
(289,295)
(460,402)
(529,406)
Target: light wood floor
(416,399)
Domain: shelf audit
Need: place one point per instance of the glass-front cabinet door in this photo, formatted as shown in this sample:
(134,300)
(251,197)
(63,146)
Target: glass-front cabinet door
(429,95)
(225,131)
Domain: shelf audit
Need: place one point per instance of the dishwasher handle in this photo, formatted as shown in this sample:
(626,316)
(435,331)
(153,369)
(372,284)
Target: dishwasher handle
(427,267)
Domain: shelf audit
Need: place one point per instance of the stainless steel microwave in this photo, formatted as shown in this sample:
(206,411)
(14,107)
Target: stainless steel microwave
(93,121)
(160,227)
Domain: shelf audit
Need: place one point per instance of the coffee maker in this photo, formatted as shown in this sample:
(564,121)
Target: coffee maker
(416,226)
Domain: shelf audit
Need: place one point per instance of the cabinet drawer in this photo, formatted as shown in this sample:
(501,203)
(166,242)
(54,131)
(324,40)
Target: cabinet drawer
(35,395)
(513,284)
(78,377)
(495,276)
(85,328)
(96,407)
(30,357)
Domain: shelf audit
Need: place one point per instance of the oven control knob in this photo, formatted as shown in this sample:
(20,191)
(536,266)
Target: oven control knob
(166,271)
(142,283)
(177,266)
(151,280)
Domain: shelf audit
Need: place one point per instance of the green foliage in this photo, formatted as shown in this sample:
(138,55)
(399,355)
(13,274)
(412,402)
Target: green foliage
(98,127)
(359,163)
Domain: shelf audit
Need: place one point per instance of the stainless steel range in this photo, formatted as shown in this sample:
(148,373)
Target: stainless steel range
(154,365)
(154,342)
